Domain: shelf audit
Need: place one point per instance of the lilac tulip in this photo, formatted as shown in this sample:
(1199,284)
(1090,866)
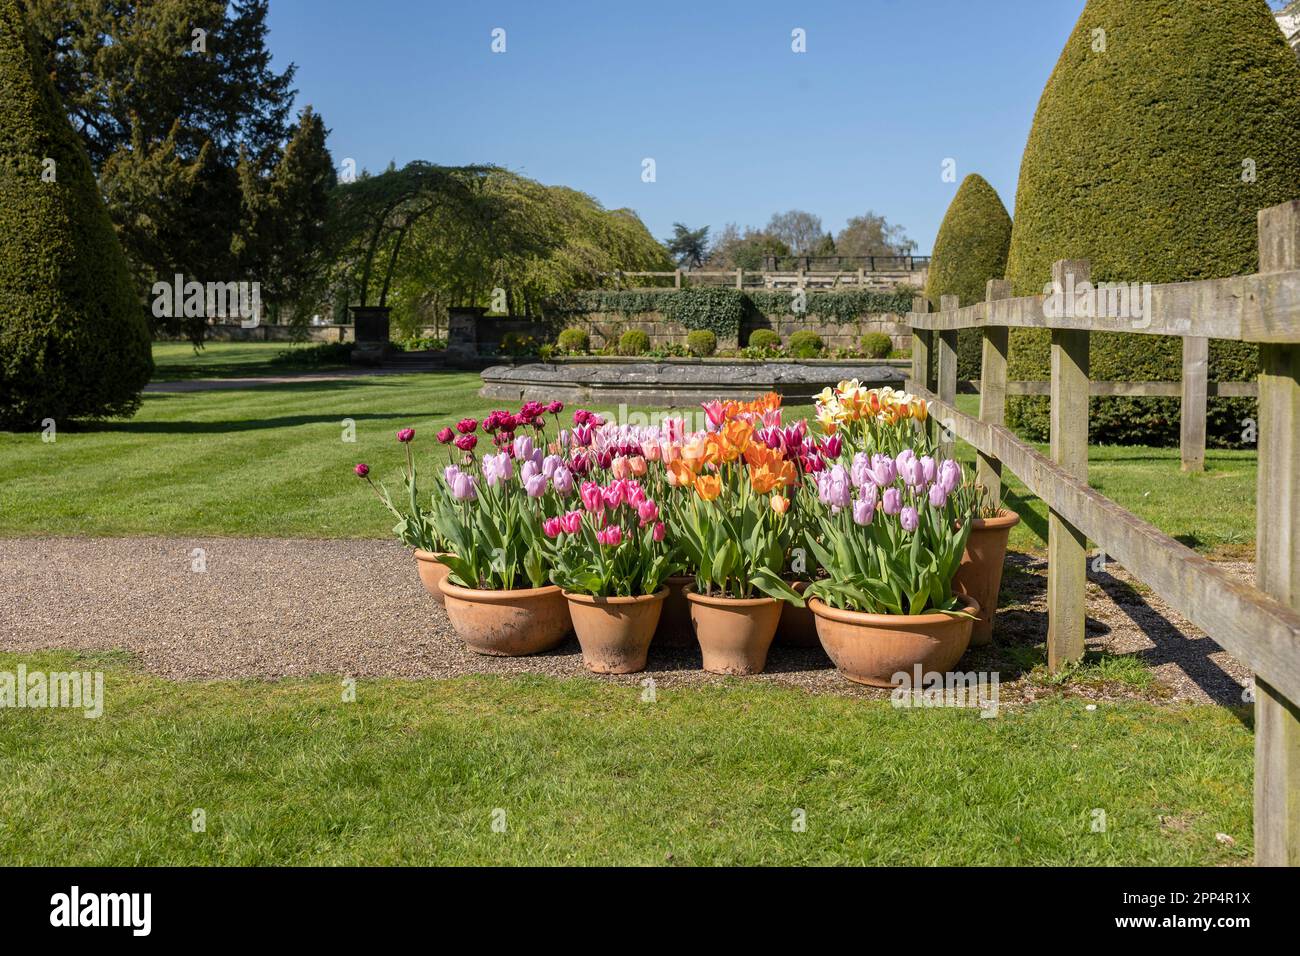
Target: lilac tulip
(883,471)
(949,475)
(497,468)
(870,494)
(929,469)
(834,487)
(909,467)
(861,469)
(563,480)
(909,519)
(892,501)
(938,497)
(529,469)
(863,511)
(463,489)
(550,463)
(523,447)
(449,475)
(536,485)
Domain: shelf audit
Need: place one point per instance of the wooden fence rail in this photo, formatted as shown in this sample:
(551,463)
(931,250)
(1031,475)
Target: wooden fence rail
(1259,625)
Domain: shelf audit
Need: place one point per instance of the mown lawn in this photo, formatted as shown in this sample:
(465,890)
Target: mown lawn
(412,772)
(272,461)
(180,361)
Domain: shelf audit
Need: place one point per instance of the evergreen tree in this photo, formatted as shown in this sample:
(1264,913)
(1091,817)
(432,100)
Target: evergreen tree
(74,342)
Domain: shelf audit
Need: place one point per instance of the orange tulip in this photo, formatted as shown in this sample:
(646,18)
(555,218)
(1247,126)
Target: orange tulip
(736,435)
(780,504)
(708,487)
(680,473)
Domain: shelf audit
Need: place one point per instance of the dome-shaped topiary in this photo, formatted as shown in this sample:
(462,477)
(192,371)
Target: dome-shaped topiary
(701,343)
(971,248)
(806,344)
(633,342)
(764,339)
(573,339)
(74,342)
(1165,127)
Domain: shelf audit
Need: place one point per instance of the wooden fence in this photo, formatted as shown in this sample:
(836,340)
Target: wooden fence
(1258,625)
(750,279)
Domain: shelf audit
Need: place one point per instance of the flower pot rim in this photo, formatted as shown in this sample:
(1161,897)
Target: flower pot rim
(868,619)
(717,599)
(422,555)
(577,598)
(1006,518)
(679,578)
(489,596)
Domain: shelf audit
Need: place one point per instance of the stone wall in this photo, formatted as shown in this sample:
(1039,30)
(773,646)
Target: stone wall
(605,328)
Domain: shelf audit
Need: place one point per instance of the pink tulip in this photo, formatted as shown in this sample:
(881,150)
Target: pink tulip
(445,436)
(637,464)
(466,442)
(551,527)
(647,511)
(611,537)
(571,522)
(592,499)
(619,468)
(362,470)
(406,435)
(715,412)
(555,407)
(660,532)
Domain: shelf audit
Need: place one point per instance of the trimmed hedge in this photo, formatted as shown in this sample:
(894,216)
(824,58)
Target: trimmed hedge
(573,340)
(971,248)
(633,342)
(806,344)
(876,345)
(701,343)
(74,341)
(1137,161)
(764,339)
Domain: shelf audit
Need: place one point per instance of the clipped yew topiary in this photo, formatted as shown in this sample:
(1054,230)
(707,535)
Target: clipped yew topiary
(633,342)
(764,339)
(806,344)
(971,248)
(876,345)
(74,342)
(1155,144)
(701,343)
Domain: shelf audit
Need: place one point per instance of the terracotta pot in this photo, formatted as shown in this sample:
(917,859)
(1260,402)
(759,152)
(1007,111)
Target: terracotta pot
(432,571)
(615,632)
(872,648)
(508,623)
(675,620)
(734,633)
(980,574)
(798,627)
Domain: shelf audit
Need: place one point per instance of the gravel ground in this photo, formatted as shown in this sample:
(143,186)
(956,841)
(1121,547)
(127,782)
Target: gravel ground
(270,608)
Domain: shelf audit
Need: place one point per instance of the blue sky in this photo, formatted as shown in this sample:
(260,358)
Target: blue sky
(739,126)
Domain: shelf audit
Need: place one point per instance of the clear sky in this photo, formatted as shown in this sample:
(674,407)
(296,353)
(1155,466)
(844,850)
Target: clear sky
(739,125)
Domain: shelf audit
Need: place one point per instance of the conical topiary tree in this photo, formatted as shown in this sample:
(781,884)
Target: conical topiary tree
(1165,127)
(74,341)
(971,248)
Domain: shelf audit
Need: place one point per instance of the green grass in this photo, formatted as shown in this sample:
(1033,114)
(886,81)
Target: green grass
(588,773)
(179,361)
(1211,511)
(270,461)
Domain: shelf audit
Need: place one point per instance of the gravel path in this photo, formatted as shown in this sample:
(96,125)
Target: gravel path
(273,608)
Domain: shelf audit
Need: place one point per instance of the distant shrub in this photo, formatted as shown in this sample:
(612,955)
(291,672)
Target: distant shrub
(573,340)
(806,344)
(701,343)
(314,356)
(764,339)
(633,342)
(517,344)
(876,345)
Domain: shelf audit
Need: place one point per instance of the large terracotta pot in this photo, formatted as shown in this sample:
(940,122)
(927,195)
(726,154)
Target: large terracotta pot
(798,627)
(432,571)
(980,574)
(508,623)
(734,633)
(872,648)
(615,632)
(675,620)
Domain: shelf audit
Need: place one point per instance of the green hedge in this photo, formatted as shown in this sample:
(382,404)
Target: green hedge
(1136,162)
(74,341)
(723,311)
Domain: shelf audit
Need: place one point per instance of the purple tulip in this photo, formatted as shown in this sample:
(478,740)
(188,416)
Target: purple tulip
(883,471)
(834,487)
(523,447)
(449,475)
(497,468)
(870,494)
(909,467)
(550,463)
(864,511)
(892,501)
(529,469)
(949,475)
(929,468)
(562,479)
(861,469)
(938,497)
(909,519)
(463,489)
(536,485)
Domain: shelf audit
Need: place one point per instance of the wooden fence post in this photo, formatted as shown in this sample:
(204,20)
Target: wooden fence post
(1277,720)
(740,278)
(677,279)
(1067,556)
(1196,361)
(993,388)
(947,372)
(922,347)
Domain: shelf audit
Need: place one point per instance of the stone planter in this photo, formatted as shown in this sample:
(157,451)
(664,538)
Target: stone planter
(734,633)
(872,648)
(370,333)
(507,623)
(432,571)
(980,573)
(615,632)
